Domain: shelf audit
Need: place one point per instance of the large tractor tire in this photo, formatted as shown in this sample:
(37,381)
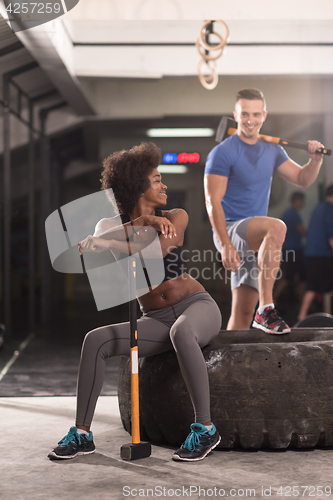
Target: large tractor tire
(267,391)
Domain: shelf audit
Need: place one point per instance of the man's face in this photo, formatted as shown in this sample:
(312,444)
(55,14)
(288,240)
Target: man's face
(250,115)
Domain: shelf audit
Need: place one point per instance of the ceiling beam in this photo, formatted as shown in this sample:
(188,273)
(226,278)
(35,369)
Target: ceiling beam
(38,41)
(11,48)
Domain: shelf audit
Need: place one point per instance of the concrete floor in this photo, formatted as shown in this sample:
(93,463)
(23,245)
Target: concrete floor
(31,426)
(37,407)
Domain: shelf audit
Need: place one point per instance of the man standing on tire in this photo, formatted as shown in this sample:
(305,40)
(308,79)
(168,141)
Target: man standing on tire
(238,178)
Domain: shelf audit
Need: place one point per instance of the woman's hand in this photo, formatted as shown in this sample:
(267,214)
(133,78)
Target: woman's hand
(93,244)
(161,224)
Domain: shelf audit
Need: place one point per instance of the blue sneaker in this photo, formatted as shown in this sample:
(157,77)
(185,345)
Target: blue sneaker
(73,444)
(198,443)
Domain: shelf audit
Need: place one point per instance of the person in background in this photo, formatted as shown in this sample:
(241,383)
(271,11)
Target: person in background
(319,252)
(293,260)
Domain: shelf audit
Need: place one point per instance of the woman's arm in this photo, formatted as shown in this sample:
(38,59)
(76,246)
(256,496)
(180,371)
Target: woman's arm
(174,223)
(172,226)
(111,229)
(179,219)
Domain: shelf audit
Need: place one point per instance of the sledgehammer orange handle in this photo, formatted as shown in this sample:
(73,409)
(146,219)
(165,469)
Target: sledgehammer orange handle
(283,142)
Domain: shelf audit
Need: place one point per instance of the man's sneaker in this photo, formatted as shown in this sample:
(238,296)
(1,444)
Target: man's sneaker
(198,443)
(270,321)
(73,444)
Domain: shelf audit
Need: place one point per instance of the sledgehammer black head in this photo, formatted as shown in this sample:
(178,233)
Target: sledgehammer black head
(135,451)
(227,126)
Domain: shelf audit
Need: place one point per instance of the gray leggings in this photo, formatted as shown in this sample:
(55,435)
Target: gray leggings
(185,327)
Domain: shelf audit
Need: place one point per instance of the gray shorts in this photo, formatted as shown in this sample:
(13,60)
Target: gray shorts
(248,271)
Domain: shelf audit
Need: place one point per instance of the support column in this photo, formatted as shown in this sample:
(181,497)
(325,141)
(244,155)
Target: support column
(7,210)
(32,228)
(45,200)
(46,209)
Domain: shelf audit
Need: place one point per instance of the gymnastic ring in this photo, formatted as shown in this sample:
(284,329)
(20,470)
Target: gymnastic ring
(209,82)
(212,47)
(207,57)
(213,69)
(204,44)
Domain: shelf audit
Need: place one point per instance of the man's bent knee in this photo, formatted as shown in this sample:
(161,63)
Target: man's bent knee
(277,231)
(264,229)
(272,242)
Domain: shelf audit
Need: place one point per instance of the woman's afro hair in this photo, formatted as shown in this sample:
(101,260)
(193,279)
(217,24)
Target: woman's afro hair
(126,173)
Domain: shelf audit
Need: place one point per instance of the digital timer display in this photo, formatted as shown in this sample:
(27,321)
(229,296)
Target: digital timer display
(181,158)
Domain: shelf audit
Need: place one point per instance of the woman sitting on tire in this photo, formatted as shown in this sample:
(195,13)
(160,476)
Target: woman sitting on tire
(178,314)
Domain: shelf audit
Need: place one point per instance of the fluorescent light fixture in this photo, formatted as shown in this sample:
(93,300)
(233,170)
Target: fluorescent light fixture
(180,132)
(172,169)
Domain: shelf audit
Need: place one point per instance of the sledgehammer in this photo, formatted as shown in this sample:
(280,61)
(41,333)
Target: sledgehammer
(136,449)
(227,127)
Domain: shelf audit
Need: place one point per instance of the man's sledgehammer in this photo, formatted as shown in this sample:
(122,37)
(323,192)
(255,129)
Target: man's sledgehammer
(228,126)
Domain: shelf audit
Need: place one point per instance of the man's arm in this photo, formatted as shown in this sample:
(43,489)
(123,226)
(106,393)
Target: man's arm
(306,175)
(215,188)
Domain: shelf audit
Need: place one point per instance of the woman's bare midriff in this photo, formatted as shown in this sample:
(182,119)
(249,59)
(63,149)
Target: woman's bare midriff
(170,293)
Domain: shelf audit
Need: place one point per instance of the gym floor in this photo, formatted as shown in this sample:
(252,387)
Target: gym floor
(37,407)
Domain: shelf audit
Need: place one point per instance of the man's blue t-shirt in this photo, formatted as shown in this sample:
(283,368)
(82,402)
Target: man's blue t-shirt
(293,240)
(249,168)
(320,231)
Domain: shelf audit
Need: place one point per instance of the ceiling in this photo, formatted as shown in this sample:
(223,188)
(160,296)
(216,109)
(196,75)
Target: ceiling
(101,52)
